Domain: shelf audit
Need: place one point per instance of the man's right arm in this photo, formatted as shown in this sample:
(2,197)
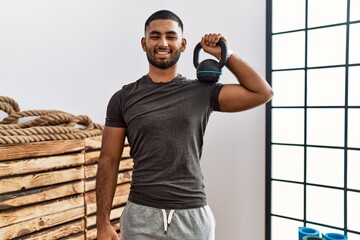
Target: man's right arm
(113,139)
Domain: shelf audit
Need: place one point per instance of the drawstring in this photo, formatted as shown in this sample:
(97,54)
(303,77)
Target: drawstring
(167,219)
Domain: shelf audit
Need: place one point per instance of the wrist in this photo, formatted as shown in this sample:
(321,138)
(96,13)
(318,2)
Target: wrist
(102,221)
(228,54)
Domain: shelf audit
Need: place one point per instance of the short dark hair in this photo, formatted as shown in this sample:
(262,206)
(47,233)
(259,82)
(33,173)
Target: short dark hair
(164,14)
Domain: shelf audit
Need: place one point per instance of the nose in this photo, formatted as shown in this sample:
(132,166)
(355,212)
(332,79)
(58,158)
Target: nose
(163,42)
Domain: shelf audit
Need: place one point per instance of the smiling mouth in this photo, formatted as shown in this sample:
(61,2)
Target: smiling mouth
(162,52)
(162,55)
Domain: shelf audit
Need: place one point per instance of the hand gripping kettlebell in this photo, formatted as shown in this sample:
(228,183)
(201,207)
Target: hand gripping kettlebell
(209,70)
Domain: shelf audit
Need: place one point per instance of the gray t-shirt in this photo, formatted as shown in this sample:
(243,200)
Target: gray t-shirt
(165,124)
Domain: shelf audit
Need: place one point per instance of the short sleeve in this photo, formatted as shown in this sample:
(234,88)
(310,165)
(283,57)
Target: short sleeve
(215,96)
(114,112)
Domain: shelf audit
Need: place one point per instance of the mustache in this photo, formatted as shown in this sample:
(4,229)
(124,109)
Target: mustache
(163,48)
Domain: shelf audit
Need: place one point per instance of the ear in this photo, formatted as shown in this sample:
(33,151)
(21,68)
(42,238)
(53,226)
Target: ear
(143,44)
(183,44)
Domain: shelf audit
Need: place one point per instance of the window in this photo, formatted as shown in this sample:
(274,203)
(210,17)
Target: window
(313,121)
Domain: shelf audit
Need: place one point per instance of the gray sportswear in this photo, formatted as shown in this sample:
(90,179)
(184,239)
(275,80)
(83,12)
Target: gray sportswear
(140,222)
(165,124)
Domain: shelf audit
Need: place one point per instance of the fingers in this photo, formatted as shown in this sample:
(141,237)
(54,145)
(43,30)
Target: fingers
(212,39)
(209,43)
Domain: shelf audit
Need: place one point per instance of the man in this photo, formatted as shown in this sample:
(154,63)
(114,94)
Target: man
(164,116)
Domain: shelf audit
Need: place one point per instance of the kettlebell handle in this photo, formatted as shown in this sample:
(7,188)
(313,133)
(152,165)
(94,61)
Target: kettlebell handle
(222,61)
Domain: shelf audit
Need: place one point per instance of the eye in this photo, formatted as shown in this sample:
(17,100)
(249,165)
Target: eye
(154,37)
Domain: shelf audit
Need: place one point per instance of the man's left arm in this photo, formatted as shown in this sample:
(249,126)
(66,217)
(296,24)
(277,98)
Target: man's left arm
(252,89)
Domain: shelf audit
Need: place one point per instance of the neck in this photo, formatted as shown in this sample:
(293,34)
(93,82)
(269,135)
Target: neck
(162,75)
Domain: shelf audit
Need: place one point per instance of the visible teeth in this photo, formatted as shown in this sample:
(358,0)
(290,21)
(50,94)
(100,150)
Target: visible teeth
(162,53)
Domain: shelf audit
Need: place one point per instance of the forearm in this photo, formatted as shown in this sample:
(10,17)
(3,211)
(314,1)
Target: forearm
(106,181)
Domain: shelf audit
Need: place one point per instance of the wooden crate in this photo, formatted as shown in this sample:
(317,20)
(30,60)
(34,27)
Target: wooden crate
(47,189)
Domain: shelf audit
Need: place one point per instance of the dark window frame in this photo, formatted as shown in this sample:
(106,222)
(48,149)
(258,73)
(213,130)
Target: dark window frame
(269,108)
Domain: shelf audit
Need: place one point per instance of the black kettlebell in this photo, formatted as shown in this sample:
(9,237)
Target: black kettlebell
(209,70)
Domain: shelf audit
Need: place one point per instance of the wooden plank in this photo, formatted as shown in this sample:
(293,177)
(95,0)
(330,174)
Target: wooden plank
(118,201)
(90,185)
(122,189)
(126,152)
(59,232)
(114,215)
(10,217)
(123,177)
(40,179)
(37,149)
(78,236)
(90,171)
(42,222)
(40,195)
(125,164)
(91,234)
(93,142)
(93,156)
(40,164)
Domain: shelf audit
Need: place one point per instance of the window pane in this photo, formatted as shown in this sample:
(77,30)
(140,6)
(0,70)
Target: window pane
(325,205)
(354,128)
(288,163)
(288,50)
(353,236)
(325,166)
(289,88)
(326,87)
(288,15)
(325,127)
(353,169)
(353,211)
(327,46)
(354,86)
(354,51)
(284,228)
(288,126)
(354,10)
(287,199)
(325,12)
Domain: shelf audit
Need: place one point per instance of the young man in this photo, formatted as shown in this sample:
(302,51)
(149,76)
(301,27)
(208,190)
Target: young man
(164,116)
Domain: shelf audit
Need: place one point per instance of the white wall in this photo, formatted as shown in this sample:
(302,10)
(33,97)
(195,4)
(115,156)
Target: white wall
(72,55)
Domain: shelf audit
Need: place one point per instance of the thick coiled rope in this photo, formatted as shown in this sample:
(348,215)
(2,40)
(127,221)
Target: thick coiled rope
(44,125)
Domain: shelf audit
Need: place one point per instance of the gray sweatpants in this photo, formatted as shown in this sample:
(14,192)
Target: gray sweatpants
(140,222)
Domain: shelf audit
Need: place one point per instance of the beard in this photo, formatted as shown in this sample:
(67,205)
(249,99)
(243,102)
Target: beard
(163,64)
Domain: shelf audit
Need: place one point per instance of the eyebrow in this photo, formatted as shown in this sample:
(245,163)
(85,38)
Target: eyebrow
(159,33)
